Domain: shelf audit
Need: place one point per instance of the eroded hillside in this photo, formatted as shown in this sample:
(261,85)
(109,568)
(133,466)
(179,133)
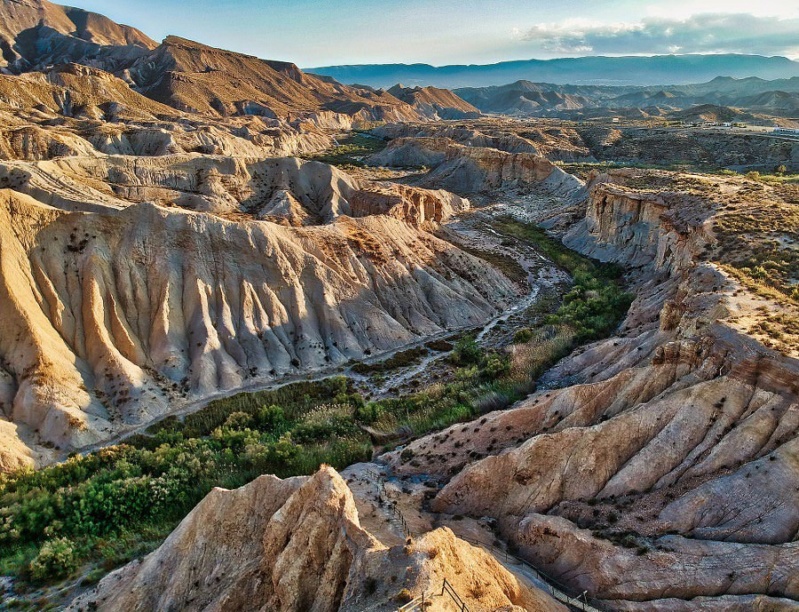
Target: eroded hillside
(577,387)
(657,466)
(655,469)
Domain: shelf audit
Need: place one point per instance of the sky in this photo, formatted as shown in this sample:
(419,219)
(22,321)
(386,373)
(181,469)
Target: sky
(314,33)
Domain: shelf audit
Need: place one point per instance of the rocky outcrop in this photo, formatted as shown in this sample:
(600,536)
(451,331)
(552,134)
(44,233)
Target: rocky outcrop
(289,191)
(663,231)
(554,143)
(676,568)
(467,170)
(298,545)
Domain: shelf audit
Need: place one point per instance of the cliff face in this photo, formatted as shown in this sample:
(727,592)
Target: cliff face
(299,545)
(110,317)
(662,231)
(658,464)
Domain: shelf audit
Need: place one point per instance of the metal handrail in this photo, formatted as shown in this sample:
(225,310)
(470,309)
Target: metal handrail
(446,587)
(557,589)
(413,603)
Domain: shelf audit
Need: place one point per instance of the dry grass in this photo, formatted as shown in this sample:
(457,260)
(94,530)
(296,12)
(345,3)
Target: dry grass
(758,245)
(528,360)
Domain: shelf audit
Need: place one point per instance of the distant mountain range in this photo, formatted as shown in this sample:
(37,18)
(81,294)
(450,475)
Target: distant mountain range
(775,98)
(655,70)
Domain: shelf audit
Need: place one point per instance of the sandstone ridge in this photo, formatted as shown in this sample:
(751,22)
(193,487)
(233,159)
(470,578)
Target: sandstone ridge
(113,317)
(298,544)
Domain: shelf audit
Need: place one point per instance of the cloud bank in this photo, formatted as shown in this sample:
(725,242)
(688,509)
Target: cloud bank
(702,33)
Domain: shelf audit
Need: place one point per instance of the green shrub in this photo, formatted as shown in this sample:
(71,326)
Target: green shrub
(56,559)
(238,421)
(369,413)
(523,335)
(495,366)
(466,352)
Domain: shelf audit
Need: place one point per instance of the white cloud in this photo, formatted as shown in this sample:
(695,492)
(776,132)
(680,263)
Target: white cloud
(701,33)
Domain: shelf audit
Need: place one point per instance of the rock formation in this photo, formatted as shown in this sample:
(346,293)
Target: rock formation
(663,464)
(435,103)
(467,170)
(109,315)
(298,544)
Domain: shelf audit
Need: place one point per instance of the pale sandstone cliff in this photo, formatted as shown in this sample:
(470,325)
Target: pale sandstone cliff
(112,317)
(680,425)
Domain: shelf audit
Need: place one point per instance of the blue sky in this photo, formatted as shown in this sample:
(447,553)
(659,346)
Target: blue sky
(317,32)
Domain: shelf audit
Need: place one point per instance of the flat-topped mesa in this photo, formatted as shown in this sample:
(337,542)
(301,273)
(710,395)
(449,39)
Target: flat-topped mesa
(298,544)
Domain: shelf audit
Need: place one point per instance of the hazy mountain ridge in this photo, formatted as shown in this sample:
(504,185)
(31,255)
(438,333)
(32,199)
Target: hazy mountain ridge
(597,70)
(779,97)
